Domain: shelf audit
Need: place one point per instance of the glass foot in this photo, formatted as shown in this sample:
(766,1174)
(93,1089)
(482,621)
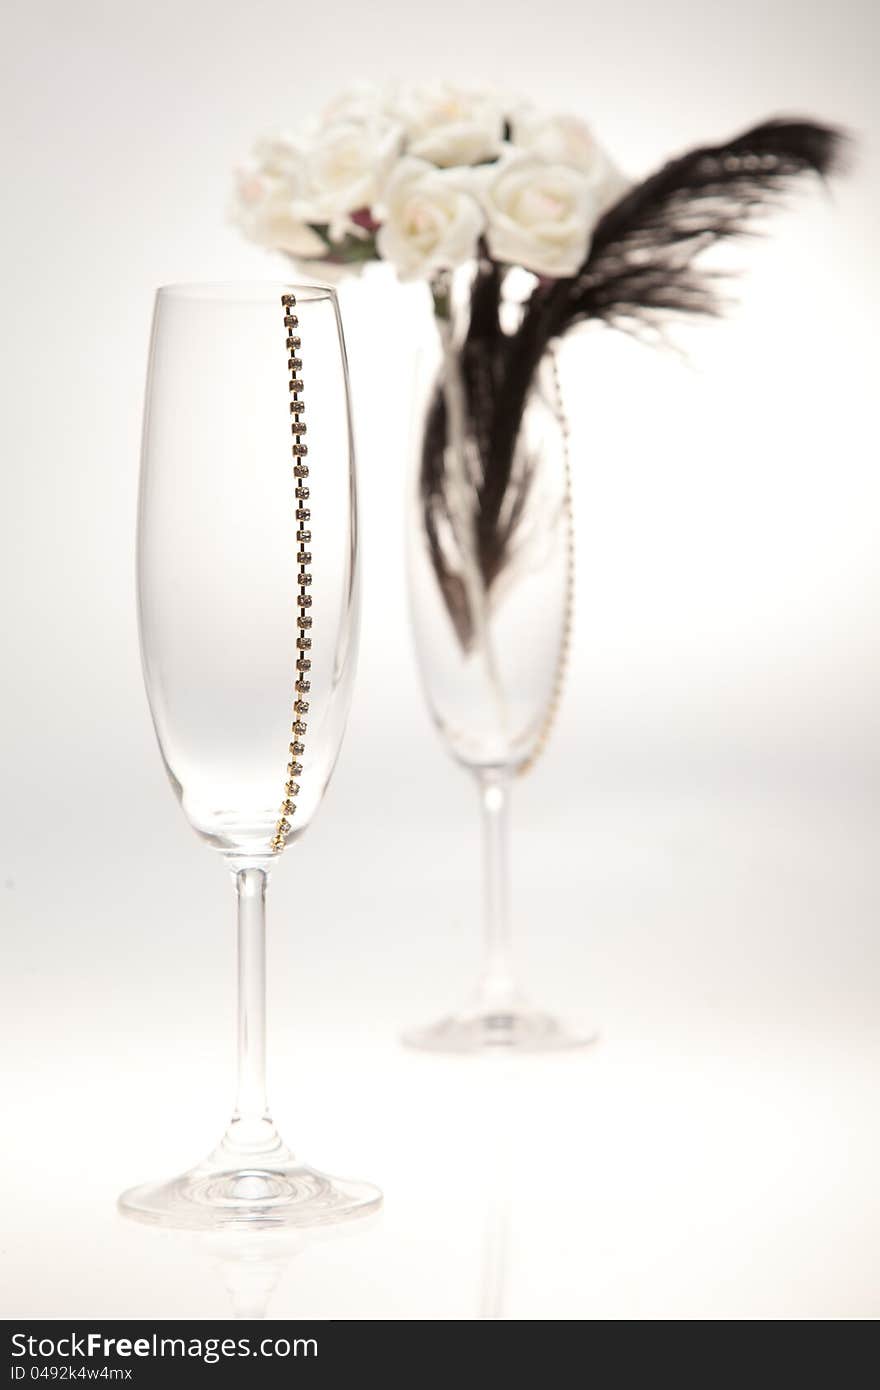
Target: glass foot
(277,1192)
(482,1030)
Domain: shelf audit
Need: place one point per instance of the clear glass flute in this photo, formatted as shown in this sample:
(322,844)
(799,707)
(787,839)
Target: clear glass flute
(491,656)
(248,608)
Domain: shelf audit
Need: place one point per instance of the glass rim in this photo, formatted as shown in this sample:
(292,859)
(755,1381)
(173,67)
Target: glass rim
(247,291)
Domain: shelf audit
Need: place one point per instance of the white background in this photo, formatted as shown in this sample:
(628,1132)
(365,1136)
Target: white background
(695,859)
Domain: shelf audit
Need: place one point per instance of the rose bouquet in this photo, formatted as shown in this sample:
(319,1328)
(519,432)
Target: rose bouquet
(421,178)
(435,179)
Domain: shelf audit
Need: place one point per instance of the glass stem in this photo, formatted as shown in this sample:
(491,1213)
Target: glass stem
(251,1130)
(496,989)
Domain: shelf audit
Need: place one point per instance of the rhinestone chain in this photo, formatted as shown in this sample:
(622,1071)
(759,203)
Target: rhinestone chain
(562,660)
(303,515)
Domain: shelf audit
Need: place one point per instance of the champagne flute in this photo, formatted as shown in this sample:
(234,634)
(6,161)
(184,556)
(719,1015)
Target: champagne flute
(248,608)
(493,684)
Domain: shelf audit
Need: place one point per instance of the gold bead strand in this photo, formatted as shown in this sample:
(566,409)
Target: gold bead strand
(302,686)
(562,661)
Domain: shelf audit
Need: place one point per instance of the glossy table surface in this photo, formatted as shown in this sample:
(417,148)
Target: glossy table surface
(713,1156)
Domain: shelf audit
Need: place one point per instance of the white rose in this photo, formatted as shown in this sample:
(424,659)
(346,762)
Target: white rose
(346,165)
(568,140)
(282,155)
(362,101)
(263,207)
(540,215)
(448,125)
(430,224)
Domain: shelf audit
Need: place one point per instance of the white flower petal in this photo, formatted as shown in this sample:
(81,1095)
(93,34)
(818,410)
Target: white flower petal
(263,208)
(568,140)
(430,223)
(540,216)
(451,126)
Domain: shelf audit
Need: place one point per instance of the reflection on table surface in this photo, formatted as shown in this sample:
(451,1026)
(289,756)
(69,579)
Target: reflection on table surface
(628,1183)
(713,1156)
(251,1265)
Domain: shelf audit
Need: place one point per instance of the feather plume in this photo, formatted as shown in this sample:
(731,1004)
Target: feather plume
(643,267)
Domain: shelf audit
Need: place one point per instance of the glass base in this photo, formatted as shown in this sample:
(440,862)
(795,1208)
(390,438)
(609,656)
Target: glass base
(518,1029)
(278,1192)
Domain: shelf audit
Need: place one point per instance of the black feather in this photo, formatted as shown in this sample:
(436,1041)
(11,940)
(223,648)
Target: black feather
(644,254)
(644,265)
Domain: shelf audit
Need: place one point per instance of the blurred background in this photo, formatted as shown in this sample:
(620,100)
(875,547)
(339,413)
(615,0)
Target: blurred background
(695,859)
